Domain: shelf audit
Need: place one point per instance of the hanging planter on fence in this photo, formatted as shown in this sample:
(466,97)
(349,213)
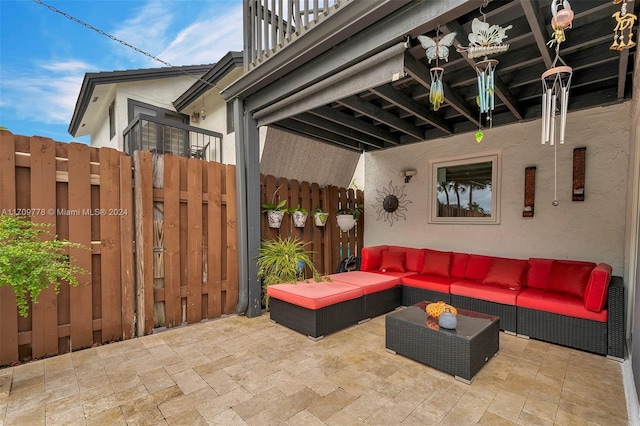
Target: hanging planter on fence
(299,218)
(346,222)
(274,217)
(320,218)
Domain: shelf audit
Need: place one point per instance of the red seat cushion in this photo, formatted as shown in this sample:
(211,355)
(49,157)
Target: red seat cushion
(370,282)
(437,263)
(569,277)
(428,282)
(459,264)
(414,257)
(595,295)
(556,303)
(392,261)
(477,267)
(314,295)
(370,257)
(488,292)
(507,273)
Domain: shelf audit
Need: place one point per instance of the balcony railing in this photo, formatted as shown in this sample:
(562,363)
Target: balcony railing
(153,134)
(275,23)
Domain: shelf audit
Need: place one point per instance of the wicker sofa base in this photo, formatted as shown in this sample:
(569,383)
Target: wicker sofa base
(583,334)
(412,295)
(507,313)
(381,302)
(315,323)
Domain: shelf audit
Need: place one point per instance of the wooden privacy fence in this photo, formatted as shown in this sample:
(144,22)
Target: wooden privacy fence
(328,244)
(181,215)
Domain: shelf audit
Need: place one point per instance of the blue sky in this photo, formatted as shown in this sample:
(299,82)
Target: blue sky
(44,56)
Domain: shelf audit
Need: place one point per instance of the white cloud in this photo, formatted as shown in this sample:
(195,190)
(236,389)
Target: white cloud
(46,93)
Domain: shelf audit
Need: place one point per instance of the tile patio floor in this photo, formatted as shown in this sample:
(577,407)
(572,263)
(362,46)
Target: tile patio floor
(237,371)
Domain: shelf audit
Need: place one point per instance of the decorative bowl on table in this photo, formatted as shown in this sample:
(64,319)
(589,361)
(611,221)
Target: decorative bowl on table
(435,309)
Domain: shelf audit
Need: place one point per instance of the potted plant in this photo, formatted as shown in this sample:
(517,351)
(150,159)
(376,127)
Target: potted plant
(320,216)
(299,215)
(274,211)
(284,261)
(29,263)
(347,217)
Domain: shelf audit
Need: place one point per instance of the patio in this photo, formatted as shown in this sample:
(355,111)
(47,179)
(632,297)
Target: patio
(237,370)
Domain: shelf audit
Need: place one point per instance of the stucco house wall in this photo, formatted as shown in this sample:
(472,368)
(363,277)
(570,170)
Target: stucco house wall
(592,230)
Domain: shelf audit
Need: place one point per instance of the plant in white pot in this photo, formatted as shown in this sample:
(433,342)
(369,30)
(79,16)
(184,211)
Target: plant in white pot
(348,216)
(299,216)
(275,211)
(320,216)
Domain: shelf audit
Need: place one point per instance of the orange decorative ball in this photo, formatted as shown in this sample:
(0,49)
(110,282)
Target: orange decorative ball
(435,309)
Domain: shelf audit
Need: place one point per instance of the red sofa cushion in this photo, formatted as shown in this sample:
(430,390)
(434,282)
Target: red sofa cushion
(437,263)
(477,267)
(538,274)
(491,293)
(595,295)
(557,303)
(459,264)
(569,277)
(314,295)
(370,282)
(392,261)
(507,273)
(370,257)
(414,257)
(428,282)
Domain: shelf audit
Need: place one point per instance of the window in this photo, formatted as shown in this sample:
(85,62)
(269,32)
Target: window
(112,120)
(465,190)
(230,122)
(156,137)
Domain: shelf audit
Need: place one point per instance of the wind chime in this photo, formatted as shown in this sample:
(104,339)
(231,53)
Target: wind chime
(437,49)
(556,82)
(485,40)
(623,27)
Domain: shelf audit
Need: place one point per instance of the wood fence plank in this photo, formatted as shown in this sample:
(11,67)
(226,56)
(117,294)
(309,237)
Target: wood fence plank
(44,314)
(110,244)
(232,240)
(8,309)
(336,239)
(127,282)
(80,232)
(194,240)
(305,203)
(214,239)
(143,195)
(172,300)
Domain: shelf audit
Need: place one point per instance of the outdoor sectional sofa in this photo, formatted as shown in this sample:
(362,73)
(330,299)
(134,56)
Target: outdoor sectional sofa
(566,302)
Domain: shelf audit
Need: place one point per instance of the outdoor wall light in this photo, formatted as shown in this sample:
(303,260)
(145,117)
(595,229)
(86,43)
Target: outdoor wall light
(408,174)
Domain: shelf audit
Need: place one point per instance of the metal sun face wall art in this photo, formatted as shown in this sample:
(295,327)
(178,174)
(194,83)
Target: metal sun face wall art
(391,203)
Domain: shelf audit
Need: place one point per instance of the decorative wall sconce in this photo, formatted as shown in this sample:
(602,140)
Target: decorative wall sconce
(624,24)
(195,117)
(408,174)
(203,111)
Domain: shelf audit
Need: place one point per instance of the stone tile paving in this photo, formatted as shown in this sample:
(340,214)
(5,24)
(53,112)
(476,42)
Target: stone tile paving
(241,371)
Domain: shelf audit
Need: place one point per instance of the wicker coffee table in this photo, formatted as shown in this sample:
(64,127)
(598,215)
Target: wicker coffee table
(461,352)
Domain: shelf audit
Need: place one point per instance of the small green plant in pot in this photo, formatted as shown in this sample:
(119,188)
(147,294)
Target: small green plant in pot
(299,216)
(275,211)
(320,216)
(347,216)
(30,263)
(284,261)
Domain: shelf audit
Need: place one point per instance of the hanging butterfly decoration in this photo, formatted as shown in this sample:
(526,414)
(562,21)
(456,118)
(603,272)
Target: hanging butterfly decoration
(435,50)
(486,39)
(625,22)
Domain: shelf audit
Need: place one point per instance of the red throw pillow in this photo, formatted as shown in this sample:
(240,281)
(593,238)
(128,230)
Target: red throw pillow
(437,263)
(459,265)
(595,295)
(507,272)
(477,267)
(371,257)
(569,277)
(392,261)
(414,257)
